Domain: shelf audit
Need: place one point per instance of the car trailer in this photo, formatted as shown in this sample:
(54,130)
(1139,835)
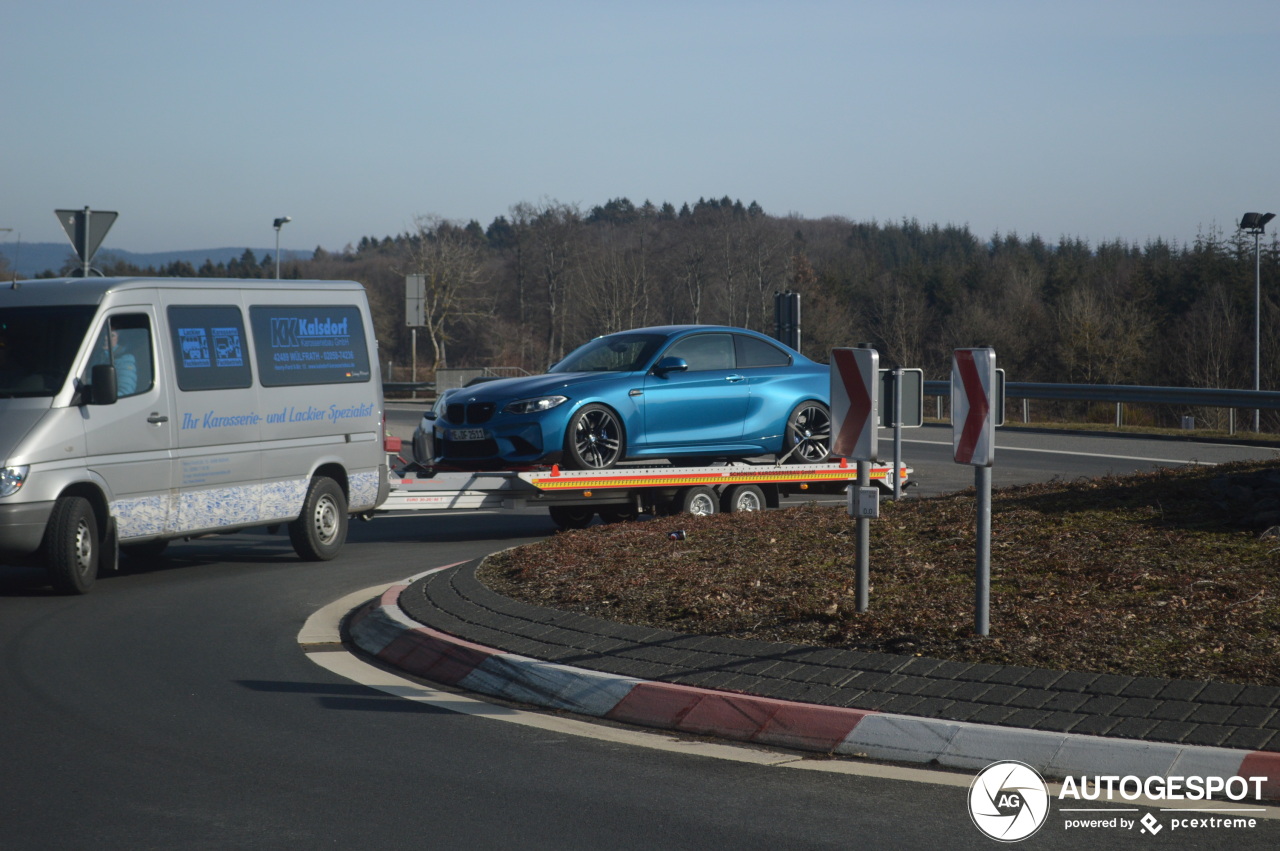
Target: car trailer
(574,497)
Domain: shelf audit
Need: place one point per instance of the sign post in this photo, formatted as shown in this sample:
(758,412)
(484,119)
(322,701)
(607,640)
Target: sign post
(973,392)
(86,229)
(903,391)
(415,299)
(855,404)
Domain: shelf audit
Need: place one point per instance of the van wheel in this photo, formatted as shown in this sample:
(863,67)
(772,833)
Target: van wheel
(321,529)
(71,546)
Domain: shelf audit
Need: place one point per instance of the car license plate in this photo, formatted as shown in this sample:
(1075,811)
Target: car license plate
(467,434)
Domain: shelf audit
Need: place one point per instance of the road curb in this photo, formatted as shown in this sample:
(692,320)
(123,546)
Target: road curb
(383,630)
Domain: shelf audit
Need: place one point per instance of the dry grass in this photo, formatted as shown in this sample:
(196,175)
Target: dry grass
(1142,575)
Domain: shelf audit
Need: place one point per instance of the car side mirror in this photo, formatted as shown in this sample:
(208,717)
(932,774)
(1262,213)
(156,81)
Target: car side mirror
(102,386)
(666,365)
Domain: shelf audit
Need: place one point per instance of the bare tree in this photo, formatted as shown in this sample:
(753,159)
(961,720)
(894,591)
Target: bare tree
(450,262)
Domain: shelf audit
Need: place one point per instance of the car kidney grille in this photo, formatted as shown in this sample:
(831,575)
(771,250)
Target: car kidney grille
(473,414)
(479,412)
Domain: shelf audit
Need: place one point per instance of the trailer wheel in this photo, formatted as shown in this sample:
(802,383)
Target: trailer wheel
(71,546)
(808,436)
(742,498)
(571,516)
(321,529)
(700,501)
(618,513)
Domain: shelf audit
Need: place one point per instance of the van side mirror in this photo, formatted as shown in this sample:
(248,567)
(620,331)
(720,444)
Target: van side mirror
(102,385)
(666,365)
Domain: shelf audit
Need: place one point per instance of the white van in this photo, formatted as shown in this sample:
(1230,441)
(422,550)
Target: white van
(136,411)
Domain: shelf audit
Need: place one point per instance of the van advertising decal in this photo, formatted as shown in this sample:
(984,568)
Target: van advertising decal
(305,344)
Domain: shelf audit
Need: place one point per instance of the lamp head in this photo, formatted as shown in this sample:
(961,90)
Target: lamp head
(283,220)
(1255,222)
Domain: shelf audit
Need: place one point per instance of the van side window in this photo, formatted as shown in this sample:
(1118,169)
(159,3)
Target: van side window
(209,347)
(309,344)
(125,343)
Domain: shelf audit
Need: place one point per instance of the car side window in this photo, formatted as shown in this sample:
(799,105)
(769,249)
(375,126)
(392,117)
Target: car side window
(752,351)
(704,351)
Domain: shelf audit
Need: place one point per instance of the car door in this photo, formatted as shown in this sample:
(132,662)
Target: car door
(702,406)
(129,444)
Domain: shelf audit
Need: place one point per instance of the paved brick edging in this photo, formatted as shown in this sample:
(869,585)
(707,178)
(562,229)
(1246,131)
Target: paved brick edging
(383,630)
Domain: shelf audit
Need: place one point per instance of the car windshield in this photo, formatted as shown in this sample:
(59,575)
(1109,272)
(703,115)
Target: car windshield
(38,346)
(615,353)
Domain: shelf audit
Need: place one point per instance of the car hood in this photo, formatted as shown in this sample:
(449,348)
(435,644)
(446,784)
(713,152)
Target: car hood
(529,386)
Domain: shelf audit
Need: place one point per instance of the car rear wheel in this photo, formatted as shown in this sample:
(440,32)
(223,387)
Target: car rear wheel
(594,439)
(808,436)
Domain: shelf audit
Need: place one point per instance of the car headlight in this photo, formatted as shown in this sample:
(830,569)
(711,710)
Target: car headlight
(533,406)
(11,479)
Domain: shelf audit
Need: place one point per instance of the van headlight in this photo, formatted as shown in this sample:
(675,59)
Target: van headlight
(11,479)
(533,406)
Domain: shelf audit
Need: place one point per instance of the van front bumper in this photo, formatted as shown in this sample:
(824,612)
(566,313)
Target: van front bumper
(22,528)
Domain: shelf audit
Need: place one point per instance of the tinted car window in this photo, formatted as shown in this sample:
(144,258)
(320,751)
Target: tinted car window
(752,351)
(704,351)
(615,353)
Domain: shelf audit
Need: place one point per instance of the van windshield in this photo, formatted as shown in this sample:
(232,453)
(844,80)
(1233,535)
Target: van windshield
(38,346)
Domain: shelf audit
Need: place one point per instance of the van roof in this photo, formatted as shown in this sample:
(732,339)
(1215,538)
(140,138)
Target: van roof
(92,290)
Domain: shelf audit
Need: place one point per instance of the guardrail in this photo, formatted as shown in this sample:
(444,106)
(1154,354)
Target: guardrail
(412,387)
(1124,394)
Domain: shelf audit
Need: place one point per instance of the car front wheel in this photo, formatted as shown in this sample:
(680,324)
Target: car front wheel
(594,439)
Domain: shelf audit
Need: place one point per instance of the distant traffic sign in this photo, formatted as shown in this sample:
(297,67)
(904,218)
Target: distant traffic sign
(86,229)
(855,391)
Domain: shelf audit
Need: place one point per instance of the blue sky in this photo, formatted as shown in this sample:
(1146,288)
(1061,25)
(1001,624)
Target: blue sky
(201,122)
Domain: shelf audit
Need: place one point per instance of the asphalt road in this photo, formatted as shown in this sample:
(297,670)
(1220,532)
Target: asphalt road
(173,708)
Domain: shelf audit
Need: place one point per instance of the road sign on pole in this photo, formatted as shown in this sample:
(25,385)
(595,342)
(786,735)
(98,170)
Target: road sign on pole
(855,402)
(973,389)
(86,229)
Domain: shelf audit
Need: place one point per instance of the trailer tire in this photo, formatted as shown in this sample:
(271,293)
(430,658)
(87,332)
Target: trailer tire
(619,513)
(320,531)
(72,546)
(700,501)
(742,498)
(571,516)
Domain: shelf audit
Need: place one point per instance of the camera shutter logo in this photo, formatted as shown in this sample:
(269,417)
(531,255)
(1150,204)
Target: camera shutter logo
(1008,801)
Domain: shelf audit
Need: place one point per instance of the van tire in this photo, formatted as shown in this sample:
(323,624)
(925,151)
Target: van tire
(72,546)
(320,531)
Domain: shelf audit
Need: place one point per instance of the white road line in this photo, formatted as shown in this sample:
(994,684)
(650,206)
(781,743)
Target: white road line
(1000,448)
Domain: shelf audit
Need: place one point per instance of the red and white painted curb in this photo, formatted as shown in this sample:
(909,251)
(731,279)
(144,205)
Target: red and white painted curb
(383,630)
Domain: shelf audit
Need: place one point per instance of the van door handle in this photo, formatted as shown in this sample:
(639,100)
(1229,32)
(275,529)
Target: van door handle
(157,418)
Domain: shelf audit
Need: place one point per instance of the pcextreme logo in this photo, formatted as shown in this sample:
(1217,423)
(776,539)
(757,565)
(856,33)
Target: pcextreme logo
(1008,801)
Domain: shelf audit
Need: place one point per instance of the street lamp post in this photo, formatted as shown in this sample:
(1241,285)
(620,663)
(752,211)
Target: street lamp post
(277,224)
(1256,224)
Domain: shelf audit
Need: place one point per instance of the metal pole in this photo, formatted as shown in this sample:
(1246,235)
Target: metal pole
(413,375)
(897,432)
(1257,326)
(277,252)
(863,582)
(982,596)
(84,246)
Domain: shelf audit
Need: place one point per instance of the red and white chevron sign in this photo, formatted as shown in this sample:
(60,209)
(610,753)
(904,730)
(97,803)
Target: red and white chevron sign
(973,390)
(855,406)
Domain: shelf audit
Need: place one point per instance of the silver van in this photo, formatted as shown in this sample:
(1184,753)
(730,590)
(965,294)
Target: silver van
(137,411)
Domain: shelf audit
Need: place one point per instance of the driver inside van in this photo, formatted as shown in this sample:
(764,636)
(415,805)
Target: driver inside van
(111,351)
